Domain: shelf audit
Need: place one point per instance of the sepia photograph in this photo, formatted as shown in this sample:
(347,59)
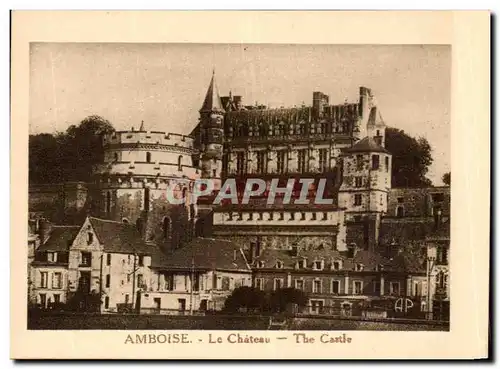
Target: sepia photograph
(244,185)
(239,186)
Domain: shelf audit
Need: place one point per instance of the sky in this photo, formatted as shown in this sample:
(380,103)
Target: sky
(164,84)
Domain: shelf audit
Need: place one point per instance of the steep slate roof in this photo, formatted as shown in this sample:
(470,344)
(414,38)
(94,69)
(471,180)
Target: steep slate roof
(60,238)
(367,144)
(207,253)
(212,100)
(119,237)
(370,260)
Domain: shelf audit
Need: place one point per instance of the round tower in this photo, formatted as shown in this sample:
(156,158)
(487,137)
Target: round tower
(134,180)
(212,134)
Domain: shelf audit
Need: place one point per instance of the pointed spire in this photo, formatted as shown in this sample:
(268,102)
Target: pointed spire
(142,126)
(212,99)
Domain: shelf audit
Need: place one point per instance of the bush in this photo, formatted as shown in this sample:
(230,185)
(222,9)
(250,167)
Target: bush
(245,298)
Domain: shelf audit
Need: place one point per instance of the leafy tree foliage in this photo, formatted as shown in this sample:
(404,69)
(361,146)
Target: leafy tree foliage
(68,156)
(411,158)
(251,299)
(248,298)
(446,178)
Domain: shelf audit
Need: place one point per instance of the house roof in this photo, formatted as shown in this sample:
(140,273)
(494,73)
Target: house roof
(60,238)
(370,260)
(206,253)
(119,237)
(367,144)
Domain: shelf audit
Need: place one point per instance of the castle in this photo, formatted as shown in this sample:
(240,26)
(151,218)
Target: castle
(286,243)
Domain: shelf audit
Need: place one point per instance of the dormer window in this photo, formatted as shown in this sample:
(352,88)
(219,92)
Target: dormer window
(301,264)
(260,264)
(318,265)
(279,264)
(337,265)
(380,268)
(358,267)
(52,257)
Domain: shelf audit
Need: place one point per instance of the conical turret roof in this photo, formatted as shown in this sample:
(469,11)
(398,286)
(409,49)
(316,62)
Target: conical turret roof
(212,99)
(367,144)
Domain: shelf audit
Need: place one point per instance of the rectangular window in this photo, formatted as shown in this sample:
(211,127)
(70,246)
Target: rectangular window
(281,130)
(240,163)
(323,160)
(57,299)
(302,161)
(108,280)
(318,265)
(376,287)
(299,284)
(139,280)
(146,198)
(357,287)
(261,161)
(316,306)
(128,278)
(335,287)
(358,181)
(43,300)
(86,259)
(57,280)
(394,288)
(302,129)
(316,286)
(278,283)
(357,200)
(387,164)
(375,162)
(259,283)
(90,238)
(108,259)
(336,265)
(52,257)
(281,158)
(106,302)
(44,279)
(359,162)
(141,260)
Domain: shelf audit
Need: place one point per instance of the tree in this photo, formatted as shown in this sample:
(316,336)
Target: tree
(446,178)
(411,158)
(280,299)
(249,298)
(68,156)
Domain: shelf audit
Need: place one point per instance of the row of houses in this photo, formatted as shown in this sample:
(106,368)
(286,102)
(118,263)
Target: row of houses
(110,259)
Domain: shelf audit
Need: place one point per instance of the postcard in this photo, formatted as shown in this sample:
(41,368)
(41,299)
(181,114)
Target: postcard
(250,185)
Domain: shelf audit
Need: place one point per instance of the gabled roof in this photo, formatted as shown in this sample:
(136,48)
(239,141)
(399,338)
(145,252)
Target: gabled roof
(119,237)
(60,238)
(212,99)
(206,253)
(367,144)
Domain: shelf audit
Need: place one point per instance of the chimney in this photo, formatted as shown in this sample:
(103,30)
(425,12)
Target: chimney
(238,102)
(254,249)
(44,229)
(365,97)
(351,250)
(320,100)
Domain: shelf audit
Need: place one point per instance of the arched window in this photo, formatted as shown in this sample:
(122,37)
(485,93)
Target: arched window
(400,211)
(179,163)
(166,228)
(148,157)
(125,221)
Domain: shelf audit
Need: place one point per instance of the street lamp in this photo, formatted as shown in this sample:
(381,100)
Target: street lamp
(431,260)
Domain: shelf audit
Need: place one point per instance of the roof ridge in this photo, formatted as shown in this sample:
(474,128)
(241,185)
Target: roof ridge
(110,221)
(65,226)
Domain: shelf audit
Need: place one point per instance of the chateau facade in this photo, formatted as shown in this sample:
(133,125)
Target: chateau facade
(195,253)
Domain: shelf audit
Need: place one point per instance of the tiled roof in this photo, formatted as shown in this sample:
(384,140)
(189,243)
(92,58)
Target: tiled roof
(60,238)
(368,259)
(367,144)
(207,253)
(119,237)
